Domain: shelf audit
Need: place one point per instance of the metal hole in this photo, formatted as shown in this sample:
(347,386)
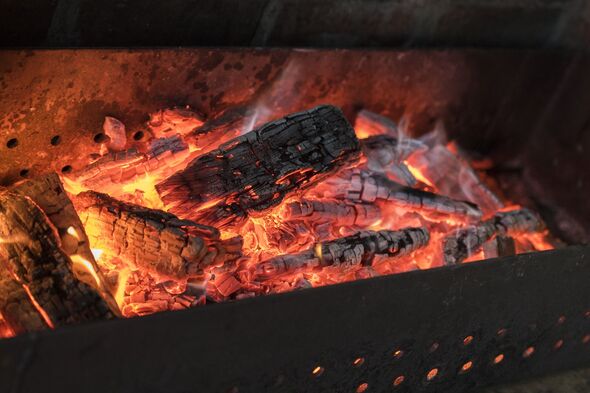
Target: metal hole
(561,320)
(358,362)
(397,354)
(362,387)
(12,143)
(100,138)
(528,352)
(502,332)
(66,169)
(466,367)
(317,371)
(432,374)
(138,135)
(233,390)
(558,344)
(24,173)
(399,380)
(587,314)
(467,340)
(434,347)
(499,358)
(586,339)
(55,140)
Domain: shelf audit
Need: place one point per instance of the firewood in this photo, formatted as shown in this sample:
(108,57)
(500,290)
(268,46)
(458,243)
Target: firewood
(499,246)
(48,193)
(343,213)
(360,185)
(32,253)
(152,239)
(359,249)
(16,306)
(257,170)
(386,154)
(466,241)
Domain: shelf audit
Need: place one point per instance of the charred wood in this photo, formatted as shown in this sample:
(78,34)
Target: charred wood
(257,170)
(340,212)
(386,154)
(32,253)
(466,241)
(359,249)
(499,246)
(17,308)
(48,193)
(151,239)
(454,178)
(359,185)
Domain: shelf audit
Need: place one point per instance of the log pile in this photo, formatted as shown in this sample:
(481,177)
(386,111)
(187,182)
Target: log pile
(296,203)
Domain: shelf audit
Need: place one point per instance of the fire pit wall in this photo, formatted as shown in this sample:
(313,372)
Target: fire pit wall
(521,109)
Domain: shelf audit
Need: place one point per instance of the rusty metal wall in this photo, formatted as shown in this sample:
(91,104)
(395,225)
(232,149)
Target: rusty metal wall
(484,97)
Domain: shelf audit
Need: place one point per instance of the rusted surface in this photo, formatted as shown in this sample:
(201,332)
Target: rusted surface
(68,93)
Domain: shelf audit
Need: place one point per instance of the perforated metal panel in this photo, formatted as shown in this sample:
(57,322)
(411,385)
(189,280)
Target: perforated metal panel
(511,318)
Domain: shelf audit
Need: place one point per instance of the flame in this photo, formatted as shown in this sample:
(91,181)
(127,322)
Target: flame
(417,173)
(97,253)
(73,232)
(80,261)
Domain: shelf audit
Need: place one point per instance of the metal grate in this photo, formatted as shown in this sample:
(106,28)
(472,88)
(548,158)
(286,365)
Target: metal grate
(438,330)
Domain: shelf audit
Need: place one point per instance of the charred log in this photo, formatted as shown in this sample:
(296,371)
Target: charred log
(32,253)
(358,185)
(339,212)
(152,239)
(467,241)
(48,193)
(386,154)
(359,249)
(17,308)
(257,170)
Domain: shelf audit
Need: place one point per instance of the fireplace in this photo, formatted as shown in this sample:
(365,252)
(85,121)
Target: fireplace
(385,301)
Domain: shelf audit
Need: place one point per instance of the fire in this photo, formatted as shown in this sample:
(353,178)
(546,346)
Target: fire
(310,220)
(85,264)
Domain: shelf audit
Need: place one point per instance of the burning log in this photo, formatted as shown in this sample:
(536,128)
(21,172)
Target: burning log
(499,246)
(171,121)
(358,185)
(466,241)
(48,193)
(340,212)
(257,170)
(454,178)
(386,154)
(32,253)
(17,308)
(368,124)
(152,239)
(359,249)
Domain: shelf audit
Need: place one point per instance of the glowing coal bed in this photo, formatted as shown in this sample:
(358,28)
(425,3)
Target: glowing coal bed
(203,213)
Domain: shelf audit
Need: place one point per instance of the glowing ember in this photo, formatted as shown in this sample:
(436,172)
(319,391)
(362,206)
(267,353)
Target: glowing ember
(306,218)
